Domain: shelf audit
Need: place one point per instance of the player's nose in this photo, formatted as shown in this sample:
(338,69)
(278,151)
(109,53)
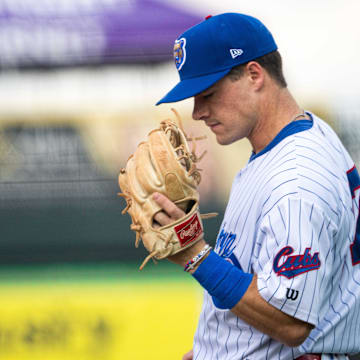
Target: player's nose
(200,111)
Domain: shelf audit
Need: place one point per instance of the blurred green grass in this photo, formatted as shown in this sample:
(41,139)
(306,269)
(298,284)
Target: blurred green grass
(91,272)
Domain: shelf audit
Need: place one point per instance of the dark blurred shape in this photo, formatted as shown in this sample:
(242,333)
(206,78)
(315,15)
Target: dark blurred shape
(70,33)
(47,163)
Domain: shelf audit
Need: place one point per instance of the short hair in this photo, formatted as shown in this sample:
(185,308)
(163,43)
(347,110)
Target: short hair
(271,62)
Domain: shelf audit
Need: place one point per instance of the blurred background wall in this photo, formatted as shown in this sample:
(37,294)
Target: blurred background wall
(78,84)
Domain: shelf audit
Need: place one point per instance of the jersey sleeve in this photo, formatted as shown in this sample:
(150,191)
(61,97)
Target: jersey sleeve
(293,243)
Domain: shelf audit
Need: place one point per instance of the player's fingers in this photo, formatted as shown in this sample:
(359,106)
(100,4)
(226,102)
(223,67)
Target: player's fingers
(168,206)
(161,219)
(188,356)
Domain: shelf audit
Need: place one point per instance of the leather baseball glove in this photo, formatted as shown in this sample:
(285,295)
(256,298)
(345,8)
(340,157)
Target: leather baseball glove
(165,164)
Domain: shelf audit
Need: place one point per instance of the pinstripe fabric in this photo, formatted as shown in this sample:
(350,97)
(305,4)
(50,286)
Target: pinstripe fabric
(293,200)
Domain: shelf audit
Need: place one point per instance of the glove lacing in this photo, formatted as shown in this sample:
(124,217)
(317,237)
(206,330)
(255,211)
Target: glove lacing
(186,159)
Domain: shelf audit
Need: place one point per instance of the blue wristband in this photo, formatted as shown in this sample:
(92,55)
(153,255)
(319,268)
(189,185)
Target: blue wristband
(223,281)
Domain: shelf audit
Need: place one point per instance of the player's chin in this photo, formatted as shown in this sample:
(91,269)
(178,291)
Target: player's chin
(224,140)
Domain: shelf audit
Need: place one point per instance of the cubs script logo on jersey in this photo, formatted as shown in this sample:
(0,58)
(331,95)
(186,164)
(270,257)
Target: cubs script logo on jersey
(291,266)
(180,53)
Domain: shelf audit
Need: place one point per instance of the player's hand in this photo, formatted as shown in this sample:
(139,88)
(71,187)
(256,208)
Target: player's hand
(188,356)
(170,212)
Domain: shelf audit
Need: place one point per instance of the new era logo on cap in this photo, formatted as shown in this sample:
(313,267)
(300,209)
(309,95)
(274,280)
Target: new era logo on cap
(236,52)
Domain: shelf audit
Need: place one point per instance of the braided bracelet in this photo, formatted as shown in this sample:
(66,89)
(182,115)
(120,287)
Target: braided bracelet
(192,263)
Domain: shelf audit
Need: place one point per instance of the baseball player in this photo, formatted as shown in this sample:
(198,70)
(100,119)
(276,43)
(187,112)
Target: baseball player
(283,281)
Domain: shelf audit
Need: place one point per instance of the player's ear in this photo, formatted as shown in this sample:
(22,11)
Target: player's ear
(256,74)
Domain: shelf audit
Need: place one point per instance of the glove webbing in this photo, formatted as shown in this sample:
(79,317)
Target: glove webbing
(187,160)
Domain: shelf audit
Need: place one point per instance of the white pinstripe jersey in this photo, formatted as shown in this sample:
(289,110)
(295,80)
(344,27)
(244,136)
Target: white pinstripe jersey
(291,218)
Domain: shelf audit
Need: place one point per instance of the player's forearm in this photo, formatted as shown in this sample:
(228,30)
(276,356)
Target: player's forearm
(231,288)
(254,310)
(251,307)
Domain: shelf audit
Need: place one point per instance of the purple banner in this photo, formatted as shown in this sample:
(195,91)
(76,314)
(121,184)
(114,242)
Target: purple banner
(68,32)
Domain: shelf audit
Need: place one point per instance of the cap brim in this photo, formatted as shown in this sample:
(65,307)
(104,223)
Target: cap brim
(191,87)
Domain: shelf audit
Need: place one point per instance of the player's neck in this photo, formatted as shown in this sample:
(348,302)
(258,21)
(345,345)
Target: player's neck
(278,109)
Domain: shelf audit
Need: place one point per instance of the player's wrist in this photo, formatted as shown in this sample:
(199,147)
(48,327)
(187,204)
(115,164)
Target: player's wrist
(223,281)
(184,256)
(195,261)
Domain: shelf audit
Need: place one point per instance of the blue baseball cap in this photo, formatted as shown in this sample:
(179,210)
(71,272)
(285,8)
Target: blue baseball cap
(206,52)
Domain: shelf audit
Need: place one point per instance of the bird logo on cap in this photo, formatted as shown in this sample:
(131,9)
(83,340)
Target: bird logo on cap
(180,53)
